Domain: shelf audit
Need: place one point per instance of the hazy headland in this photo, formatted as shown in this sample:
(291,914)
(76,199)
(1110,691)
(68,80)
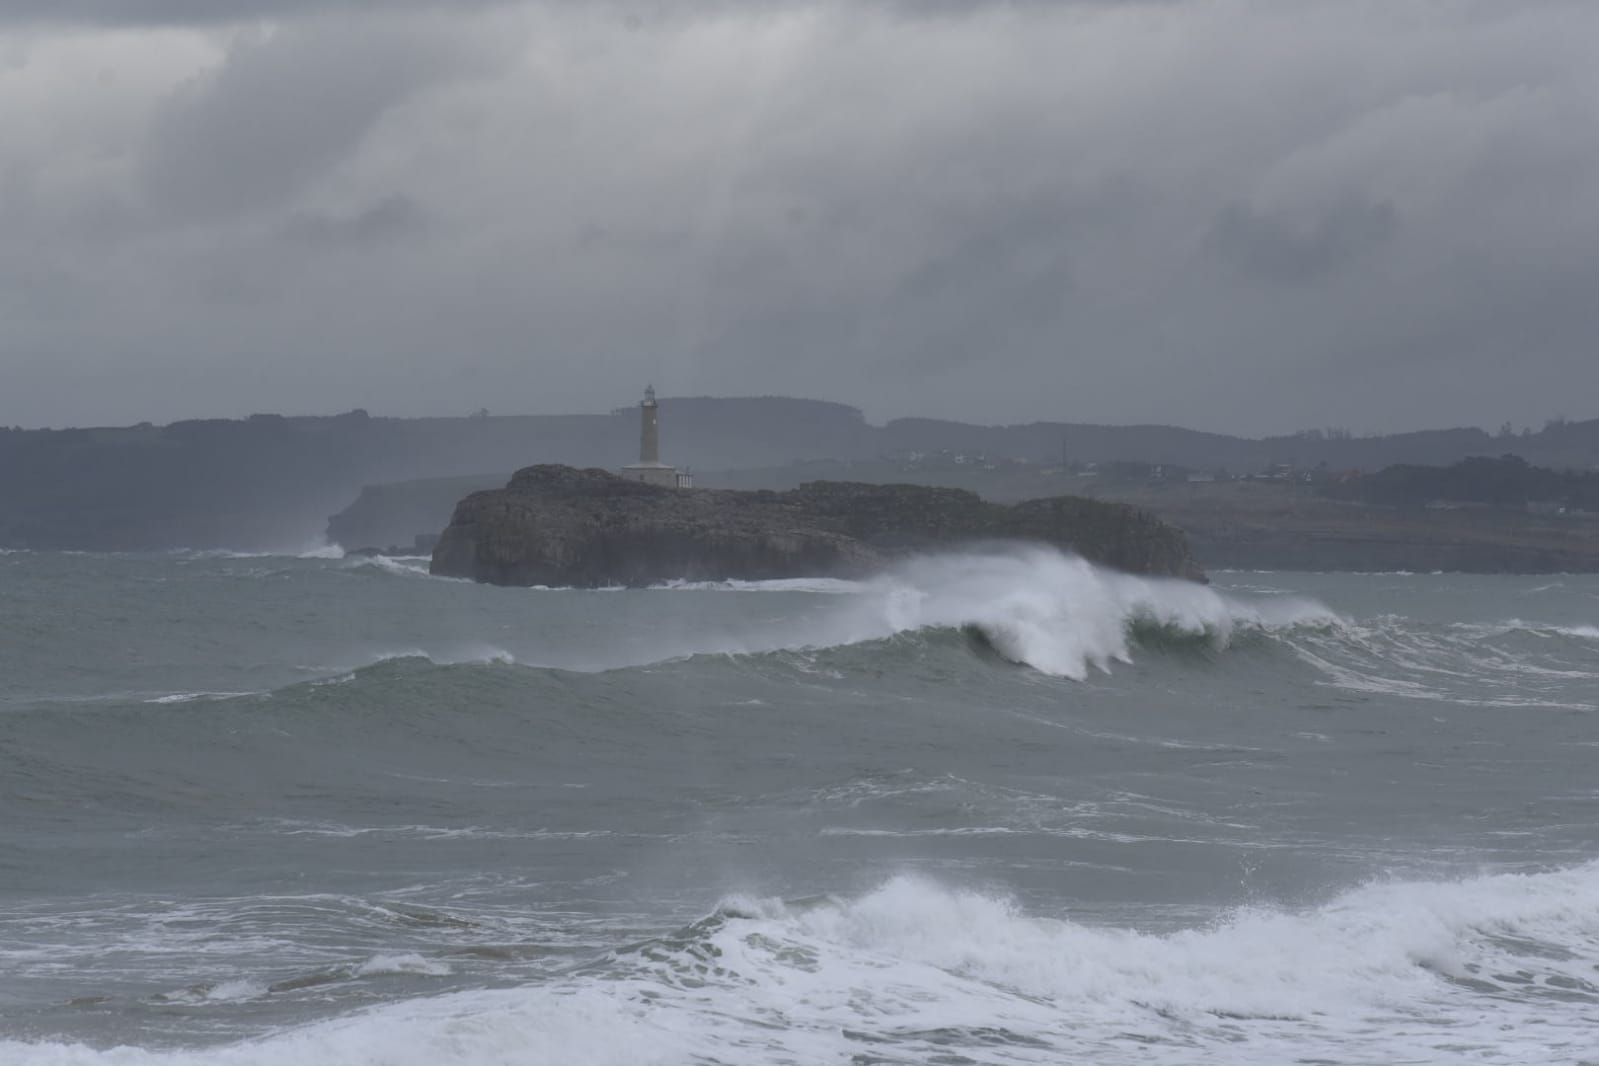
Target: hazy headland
(1313,500)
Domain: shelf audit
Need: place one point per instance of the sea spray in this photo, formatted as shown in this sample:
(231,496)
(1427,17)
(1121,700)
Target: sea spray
(1052,611)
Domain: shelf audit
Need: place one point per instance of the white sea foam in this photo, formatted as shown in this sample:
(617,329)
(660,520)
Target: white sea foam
(316,548)
(482,654)
(1585,632)
(1537,629)
(452,655)
(395,566)
(190,697)
(227,553)
(234,991)
(795,584)
(477,654)
(319,548)
(1057,613)
(1494,968)
(1459,662)
(431,832)
(1407,951)
(408,963)
(403,565)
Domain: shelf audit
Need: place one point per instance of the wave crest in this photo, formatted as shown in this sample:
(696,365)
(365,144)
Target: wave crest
(1058,613)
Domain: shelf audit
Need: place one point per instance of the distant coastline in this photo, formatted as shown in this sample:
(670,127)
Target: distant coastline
(270,480)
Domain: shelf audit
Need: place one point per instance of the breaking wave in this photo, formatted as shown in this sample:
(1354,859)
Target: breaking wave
(916,971)
(318,548)
(1036,606)
(1064,616)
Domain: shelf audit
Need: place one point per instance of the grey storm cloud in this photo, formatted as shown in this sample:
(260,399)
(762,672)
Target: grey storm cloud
(203,12)
(280,110)
(1276,249)
(104,13)
(1231,214)
(387,220)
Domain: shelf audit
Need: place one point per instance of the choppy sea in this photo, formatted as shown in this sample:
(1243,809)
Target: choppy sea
(994,807)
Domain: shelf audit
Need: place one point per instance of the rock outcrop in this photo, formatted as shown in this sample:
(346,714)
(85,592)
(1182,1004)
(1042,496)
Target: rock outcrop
(557,525)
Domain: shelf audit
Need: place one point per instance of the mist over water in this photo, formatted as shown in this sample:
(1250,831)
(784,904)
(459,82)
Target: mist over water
(996,806)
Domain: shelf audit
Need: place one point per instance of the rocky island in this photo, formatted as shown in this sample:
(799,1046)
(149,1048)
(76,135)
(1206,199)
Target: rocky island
(563,526)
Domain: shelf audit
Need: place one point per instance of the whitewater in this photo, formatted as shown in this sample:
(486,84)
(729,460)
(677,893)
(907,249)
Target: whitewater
(989,806)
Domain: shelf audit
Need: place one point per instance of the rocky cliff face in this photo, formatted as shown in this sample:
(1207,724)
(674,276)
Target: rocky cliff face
(556,525)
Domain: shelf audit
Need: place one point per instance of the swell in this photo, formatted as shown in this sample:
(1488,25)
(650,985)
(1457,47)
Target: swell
(479,678)
(378,730)
(960,631)
(983,653)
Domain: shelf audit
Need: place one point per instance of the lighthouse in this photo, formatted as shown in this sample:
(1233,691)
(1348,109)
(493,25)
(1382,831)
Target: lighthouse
(649,437)
(649,468)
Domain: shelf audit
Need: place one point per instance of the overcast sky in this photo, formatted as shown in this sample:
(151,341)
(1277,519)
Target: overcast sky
(1243,215)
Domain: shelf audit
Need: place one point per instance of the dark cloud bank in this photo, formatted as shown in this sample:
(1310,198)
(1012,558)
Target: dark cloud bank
(1243,216)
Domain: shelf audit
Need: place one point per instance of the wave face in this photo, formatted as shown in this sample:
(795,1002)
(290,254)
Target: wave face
(1056,613)
(1033,606)
(997,806)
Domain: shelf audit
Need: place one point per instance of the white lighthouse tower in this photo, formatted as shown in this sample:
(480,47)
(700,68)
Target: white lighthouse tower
(649,468)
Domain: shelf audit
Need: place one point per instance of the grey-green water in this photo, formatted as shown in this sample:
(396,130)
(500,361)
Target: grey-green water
(990,808)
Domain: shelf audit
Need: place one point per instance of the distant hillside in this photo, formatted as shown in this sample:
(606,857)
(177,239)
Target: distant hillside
(270,481)
(1561,446)
(1508,483)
